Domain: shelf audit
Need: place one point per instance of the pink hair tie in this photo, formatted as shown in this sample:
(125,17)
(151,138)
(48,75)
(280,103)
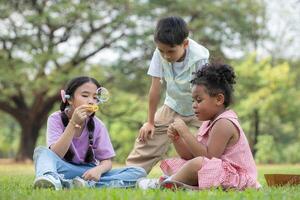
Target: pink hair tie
(64,96)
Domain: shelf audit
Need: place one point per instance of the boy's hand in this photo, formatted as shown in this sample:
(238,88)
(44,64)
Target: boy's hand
(180,126)
(146,132)
(92,174)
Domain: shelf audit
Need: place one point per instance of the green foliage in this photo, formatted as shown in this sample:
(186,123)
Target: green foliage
(266,150)
(272,91)
(9,136)
(291,152)
(123,116)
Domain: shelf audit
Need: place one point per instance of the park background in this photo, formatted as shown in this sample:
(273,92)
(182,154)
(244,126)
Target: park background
(44,43)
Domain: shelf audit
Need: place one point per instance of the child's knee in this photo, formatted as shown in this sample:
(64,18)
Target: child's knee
(138,171)
(39,151)
(195,163)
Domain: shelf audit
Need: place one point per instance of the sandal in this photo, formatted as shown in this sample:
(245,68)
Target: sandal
(176,185)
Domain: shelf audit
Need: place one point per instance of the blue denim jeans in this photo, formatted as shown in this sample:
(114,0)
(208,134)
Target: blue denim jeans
(46,161)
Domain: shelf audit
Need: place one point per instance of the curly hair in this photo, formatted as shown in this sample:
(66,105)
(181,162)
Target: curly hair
(217,78)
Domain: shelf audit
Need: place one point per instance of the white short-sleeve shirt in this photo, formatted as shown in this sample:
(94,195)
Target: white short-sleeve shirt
(156,70)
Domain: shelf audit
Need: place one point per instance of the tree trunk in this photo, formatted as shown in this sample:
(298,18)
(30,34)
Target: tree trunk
(29,136)
(31,120)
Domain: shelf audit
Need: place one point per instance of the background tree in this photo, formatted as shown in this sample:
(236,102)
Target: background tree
(45,43)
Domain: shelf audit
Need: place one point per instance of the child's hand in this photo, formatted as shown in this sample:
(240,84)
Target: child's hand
(80,114)
(180,126)
(172,133)
(92,174)
(146,132)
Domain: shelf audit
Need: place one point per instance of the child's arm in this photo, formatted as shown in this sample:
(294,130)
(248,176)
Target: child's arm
(96,172)
(220,135)
(182,149)
(147,129)
(61,146)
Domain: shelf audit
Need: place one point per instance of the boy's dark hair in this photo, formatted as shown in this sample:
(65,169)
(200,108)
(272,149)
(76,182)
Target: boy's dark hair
(217,78)
(70,90)
(171,31)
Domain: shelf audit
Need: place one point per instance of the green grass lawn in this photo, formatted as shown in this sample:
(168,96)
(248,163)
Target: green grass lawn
(16,183)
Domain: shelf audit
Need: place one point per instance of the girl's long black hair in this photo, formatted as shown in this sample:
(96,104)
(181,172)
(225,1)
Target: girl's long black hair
(70,90)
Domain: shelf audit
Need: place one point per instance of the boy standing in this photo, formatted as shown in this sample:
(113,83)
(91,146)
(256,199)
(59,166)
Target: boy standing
(175,59)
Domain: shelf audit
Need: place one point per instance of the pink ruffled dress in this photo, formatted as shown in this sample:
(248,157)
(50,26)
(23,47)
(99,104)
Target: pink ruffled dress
(235,169)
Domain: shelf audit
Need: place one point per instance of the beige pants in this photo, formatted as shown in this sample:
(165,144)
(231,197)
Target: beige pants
(147,154)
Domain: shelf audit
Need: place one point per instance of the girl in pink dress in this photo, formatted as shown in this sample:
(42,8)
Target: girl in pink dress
(219,156)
